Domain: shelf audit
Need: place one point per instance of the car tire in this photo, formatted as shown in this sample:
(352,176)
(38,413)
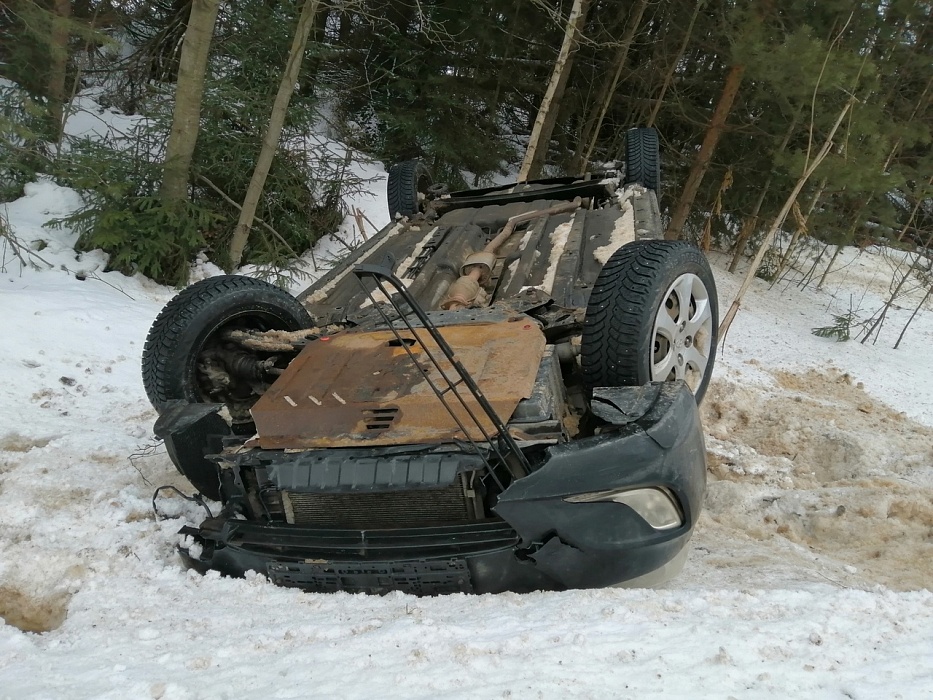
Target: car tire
(191,321)
(408,183)
(643,158)
(652,316)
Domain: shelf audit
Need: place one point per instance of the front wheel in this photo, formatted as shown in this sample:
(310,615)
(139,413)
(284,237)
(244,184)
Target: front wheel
(652,317)
(187,356)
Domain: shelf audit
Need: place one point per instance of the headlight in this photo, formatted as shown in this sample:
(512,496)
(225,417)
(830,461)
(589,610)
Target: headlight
(657,506)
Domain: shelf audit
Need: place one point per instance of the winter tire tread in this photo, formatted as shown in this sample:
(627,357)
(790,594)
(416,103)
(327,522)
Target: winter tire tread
(182,326)
(643,158)
(623,306)
(402,187)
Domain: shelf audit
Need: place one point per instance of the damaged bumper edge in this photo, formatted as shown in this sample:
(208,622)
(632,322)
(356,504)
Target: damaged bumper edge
(568,524)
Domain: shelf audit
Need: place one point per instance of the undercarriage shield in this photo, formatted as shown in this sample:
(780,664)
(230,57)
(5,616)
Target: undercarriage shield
(362,388)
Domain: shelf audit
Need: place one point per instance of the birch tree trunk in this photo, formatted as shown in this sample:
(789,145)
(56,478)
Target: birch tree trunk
(779,219)
(705,154)
(544,122)
(594,123)
(270,139)
(186,116)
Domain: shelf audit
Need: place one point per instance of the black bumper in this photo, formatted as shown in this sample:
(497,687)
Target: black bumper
(538,541)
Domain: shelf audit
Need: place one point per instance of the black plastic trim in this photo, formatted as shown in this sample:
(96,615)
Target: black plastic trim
(542,541)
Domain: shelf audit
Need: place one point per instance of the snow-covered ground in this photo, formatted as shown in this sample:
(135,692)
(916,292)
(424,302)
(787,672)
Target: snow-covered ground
(809,575)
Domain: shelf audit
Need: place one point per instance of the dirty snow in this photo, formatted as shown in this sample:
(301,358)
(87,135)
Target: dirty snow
(623,231)
(809,575)
(558,242)
(406,264)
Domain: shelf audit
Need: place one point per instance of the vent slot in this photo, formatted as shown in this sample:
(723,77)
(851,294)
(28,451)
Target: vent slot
(397,342)
(379,419)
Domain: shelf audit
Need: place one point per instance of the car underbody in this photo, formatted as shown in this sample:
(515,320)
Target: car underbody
(444,422)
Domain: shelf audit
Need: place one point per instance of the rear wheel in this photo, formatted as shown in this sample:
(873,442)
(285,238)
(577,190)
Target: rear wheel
(643,158)
(652,317)
(408,184)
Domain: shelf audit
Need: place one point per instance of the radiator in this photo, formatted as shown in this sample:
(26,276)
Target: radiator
(378,511)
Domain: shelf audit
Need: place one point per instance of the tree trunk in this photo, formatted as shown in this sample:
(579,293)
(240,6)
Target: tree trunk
(802,284)
(550,103)
(879,321)
(779,219)
(705,155)
(716,211)
(800,230)
(909,320)
(913,214)
(313,67)
(829,267)
(186,116)
(590,134)
(748,226)
(669,78)
(506,54)
(897,289)
(849,236)
(270,139)
(58,66)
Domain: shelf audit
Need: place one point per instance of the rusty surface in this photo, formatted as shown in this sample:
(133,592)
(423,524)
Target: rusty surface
(360,388)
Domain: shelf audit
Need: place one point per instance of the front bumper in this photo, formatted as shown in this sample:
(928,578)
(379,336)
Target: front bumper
(538,541)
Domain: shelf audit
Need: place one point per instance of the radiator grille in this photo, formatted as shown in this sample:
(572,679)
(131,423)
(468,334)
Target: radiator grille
(373,511)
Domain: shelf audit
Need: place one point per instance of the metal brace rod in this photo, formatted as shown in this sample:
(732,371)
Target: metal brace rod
(520,467)
(437,391)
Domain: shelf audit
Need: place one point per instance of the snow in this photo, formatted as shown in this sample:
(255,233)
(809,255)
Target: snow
(809,574)
(623,231)
(406,264)
(87,119)
(321,294)
(558,242)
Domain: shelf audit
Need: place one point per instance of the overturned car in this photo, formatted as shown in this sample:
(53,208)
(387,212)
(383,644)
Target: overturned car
(497,392)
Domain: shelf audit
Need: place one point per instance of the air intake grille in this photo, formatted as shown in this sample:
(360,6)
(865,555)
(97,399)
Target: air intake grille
(374,511)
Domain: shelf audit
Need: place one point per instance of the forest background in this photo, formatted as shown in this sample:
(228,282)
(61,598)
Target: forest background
(811,115)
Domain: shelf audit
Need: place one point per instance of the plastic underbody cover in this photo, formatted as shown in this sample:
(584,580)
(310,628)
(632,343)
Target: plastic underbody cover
(362,388)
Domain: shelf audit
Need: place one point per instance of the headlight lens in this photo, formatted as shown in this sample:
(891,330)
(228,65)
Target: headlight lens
(656,505)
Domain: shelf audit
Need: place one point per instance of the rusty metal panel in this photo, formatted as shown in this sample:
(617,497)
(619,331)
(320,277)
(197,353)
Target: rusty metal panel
(361,388)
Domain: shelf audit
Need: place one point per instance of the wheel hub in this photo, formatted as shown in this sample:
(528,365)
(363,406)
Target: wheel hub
(683,329)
